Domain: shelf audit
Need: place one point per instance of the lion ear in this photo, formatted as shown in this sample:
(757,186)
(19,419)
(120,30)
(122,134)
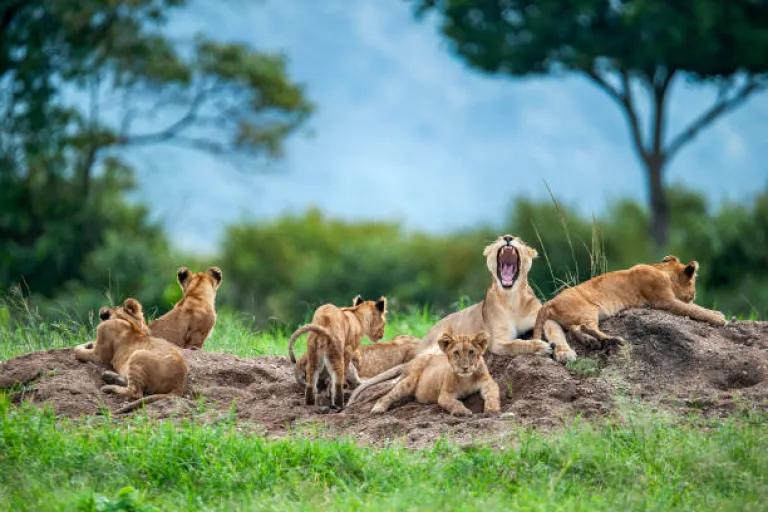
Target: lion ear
(691,269)
(670,257)
(533,253)
(481,341)
(215,273)
(182,275)
(445,341)
(357,301)
(381,305)
(105,313)
(132,306)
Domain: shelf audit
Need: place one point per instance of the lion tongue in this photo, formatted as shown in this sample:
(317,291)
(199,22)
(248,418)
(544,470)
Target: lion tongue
(507,272)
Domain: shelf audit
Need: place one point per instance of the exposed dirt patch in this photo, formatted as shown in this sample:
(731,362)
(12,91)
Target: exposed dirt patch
(670,362)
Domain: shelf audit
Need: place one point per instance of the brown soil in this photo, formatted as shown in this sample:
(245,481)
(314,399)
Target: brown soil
(670,363)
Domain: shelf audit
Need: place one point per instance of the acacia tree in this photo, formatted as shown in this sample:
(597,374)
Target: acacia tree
(80,80)
(618,43)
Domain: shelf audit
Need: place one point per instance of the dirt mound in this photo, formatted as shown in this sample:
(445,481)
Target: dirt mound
(670,362)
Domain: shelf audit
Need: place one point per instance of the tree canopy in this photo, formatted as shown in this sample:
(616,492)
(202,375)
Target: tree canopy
(618,43)
(82,79)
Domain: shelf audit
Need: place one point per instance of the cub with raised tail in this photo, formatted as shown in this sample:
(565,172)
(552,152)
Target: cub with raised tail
(335,336)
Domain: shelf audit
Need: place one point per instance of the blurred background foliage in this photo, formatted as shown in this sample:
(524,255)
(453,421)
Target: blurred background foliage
(71,240)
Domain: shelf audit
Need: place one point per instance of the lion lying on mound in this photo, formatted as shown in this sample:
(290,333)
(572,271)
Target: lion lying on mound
(369,361)
(446,378)
(669,285)
(508,309)
(142,362)
(191,320)
(335,336)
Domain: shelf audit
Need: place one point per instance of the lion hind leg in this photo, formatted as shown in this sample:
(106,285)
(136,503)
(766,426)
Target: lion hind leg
(338,373)
(312,377)
(405,388)
(593,330)
(114,378)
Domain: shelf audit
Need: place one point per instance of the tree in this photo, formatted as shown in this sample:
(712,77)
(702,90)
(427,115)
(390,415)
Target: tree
(80,80)
(618,43)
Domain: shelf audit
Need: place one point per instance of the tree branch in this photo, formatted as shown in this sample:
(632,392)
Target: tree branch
(171,131)
(659,99)
(605,86)
(722,106)
(626,102)
(629,109)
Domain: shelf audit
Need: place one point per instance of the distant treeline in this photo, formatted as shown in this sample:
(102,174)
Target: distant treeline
(280,270)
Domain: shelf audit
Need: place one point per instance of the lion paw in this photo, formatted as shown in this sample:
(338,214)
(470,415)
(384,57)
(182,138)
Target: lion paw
(110,377)
(492,409)
(378,409)
(545,349)
(461,412)
(565,355)
(719,319)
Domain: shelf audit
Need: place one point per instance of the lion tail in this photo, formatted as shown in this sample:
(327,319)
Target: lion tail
(319,329)
(393,372)
(143,401)
(541,319)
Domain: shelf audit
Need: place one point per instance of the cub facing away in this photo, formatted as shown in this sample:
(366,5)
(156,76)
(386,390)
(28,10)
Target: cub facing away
(335,336)
(140,361)
(446,378)
(669,285)
(191,320)
(370,360)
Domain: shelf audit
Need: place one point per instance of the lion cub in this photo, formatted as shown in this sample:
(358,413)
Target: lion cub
(368,361)
(191,320)
(669,285)
(445,378)
(142,362)
(335,336)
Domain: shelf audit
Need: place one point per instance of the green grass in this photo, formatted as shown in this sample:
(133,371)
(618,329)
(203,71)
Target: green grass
(234,334)
(50,464)
(645,463)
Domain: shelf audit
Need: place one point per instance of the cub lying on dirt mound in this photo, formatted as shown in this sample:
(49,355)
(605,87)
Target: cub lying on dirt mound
(448,377)
(370,360)
(669,285)
(142,362)
(508,309)
(191,320)
(335,336)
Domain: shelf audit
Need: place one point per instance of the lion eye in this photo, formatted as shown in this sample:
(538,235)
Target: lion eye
(471,353)
(456,353)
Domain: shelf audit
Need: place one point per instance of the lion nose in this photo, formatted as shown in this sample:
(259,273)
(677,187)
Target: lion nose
(508,238)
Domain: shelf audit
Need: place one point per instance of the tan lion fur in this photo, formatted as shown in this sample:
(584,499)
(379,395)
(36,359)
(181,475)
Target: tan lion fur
(192,319)
(141,362)
(669,285)
(446,378)
(335,336)
(369,360)
(505,312)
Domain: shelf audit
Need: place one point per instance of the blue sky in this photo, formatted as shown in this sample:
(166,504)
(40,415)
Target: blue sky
(405,131)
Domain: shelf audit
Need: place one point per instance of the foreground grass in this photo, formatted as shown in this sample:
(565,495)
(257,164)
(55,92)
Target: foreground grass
(50,464)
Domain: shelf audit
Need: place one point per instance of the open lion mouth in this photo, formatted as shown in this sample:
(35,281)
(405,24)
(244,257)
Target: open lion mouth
(508,265)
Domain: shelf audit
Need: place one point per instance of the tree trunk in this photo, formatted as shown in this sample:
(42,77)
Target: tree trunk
(659,202)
